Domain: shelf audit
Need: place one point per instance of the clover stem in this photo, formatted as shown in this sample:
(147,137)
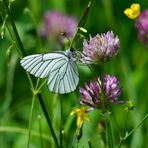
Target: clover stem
(105,110)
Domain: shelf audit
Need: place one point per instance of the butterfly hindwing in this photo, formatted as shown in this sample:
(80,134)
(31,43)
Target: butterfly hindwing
(63,79)
(61,71)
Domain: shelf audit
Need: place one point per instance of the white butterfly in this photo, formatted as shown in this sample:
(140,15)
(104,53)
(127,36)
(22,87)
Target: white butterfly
(60,68)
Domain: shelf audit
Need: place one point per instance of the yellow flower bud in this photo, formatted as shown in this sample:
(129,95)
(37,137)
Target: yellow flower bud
(132,12)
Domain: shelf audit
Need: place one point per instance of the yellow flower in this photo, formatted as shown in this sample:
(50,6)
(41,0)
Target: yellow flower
(81,115)
(132,12)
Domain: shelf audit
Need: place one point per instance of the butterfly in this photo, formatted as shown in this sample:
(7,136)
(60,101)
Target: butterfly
(59,67)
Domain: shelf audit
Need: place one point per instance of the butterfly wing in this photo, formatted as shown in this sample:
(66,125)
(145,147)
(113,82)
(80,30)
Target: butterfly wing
(62,72)
(64,79)
(40,65)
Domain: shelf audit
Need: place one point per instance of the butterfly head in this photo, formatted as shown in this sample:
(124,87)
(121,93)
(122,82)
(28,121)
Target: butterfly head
(71,54)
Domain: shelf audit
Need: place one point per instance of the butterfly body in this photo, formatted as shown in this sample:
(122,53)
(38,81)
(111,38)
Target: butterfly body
(59,67)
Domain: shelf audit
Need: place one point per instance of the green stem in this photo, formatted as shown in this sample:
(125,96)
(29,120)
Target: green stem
(30,80)
(3,25)
(123,128)
(105,110)
(113,114)
(40,129)
(140,123)
(21,54)
(89,144)
(31,113)
(30,120)
(61,125)
(9,83)
(48,119)
(22,50)
(109,134)
(81,23)
(42,84)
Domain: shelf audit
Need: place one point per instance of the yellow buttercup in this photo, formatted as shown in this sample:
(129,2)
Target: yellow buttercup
(132,12)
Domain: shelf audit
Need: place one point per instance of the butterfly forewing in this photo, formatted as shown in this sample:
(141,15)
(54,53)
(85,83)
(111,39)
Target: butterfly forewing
(61,71)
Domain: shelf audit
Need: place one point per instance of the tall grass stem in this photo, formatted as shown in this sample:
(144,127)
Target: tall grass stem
(30,121)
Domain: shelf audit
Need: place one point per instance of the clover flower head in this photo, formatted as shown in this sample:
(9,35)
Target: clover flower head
(142,26)
(132,12)
(100,48)
(91,94)
(111,89)
(56,22)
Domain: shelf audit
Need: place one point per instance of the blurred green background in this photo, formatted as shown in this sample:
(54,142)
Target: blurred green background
(130,66)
